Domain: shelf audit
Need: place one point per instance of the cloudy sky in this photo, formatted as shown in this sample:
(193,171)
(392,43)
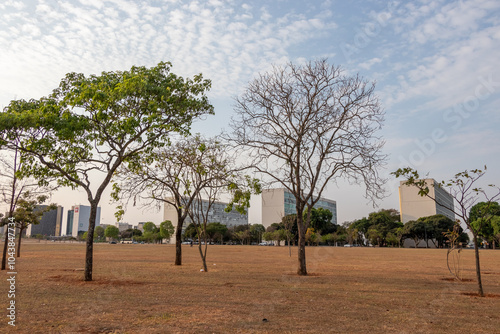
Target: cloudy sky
(435,64)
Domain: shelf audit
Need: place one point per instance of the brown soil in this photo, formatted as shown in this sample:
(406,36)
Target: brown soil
(249,289)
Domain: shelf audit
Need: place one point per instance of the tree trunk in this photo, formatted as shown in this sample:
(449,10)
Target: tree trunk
(19,242)
(302,270)
(6,232)
(4,256)
(203,256)
(90,241)
(178,242)
(478,268)
(289,248)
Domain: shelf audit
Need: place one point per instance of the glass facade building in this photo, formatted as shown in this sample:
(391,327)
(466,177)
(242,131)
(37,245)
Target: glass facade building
(330,205)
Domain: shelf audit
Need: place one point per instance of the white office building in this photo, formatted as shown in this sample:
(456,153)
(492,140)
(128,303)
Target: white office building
(273,204)
(413,206)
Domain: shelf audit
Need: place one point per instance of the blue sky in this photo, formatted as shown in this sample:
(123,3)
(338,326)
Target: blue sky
(435,64)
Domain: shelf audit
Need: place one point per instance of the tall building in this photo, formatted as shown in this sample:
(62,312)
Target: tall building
(50,223)
(413,206)
(273,204)
(123,226)
(78,219)
(217,214)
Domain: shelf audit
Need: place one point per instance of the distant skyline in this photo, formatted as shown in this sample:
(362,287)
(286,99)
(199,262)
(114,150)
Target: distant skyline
(435,64)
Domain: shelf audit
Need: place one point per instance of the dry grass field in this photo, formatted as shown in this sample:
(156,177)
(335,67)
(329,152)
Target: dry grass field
(137,289)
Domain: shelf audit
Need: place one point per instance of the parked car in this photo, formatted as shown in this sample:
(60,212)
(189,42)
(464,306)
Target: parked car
(347,245)
(113,242)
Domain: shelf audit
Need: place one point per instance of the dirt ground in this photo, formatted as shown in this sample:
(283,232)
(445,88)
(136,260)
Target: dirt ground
(249,289)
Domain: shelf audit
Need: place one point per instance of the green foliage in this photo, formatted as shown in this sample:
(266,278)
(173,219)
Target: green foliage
(416,230)
(268,236)
(485,218)
(241,194)
(375,227)
(98,233)
(436,227)
(111,232)
(97,123)
(256,231)
(190,231)
(127,112)
(484,210)
(321,220)
(119,213)
(216,230)
(312,237)
(166,229)
(464,190)
(149,227)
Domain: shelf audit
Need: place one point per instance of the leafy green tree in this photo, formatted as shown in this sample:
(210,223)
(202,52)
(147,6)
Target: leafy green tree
(149,227)
(484,209)
(321,220)
(436,226)
(98,233)
(278,236)
(330,238)
(375,236)
(84,235)
(465,192)
(495,222)
(28,212)
(311,236)
(94,124)
(190,231)
(268,236)
(241,236)
(376,226)
(482,216)
(392,239)
(166,229)
(316,125)
(256,231)
(416,230)
(112,232)
(216,230)
(182,172)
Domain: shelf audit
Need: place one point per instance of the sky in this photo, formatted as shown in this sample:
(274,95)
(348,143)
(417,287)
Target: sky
(435,64)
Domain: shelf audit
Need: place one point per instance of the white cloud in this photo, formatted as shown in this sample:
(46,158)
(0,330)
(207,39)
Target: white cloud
(368,64)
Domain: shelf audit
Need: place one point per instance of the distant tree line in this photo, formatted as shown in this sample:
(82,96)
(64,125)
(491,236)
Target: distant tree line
(385,229)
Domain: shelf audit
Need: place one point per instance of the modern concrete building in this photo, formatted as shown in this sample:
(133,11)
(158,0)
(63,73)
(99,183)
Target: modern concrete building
(78,220)
(413,206)
(217,214)
(50,223)
(273,204)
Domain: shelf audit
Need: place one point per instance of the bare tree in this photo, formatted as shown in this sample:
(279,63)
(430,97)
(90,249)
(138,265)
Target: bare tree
(179,175)
(463,188)
(12,188)
(199,212)
(304,127)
